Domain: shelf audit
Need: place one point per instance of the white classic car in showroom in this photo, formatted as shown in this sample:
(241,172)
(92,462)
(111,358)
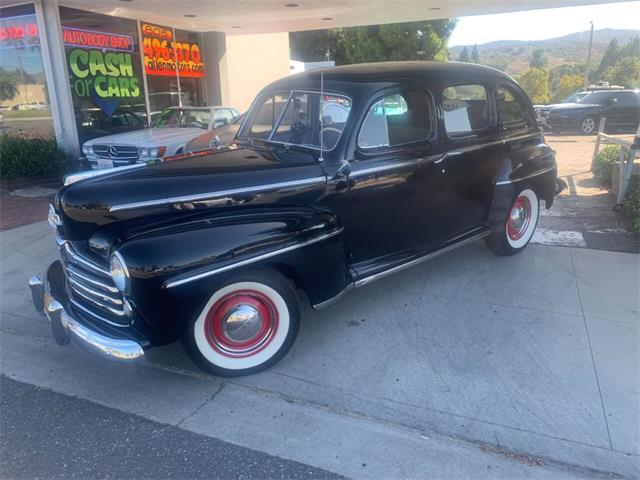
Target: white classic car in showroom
(173,129)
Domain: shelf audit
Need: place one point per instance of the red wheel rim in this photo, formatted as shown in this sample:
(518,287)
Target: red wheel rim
(242,307)
(519,218)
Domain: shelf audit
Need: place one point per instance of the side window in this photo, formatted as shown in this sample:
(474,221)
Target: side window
(512,111)
(267,116)
(222,116)
(628,99)
(296,125)
(397,119)
(466,109)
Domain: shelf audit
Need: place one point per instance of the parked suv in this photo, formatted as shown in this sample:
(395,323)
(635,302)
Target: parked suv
(621,108)
(337,178)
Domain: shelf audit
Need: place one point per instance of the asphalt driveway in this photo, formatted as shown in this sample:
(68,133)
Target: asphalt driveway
(532,360)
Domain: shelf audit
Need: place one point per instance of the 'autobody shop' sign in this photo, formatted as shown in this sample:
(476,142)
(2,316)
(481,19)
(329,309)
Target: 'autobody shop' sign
(162,53)
(100,64)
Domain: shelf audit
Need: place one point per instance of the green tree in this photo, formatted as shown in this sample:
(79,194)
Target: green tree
(611,55)
(535,82)
(567,84)
(464,55)
(425,40)
(538,59)
(8,85)
(475,55)
(625,71)
(398,41)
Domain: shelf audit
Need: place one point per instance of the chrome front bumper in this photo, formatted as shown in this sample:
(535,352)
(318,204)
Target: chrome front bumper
(65,328)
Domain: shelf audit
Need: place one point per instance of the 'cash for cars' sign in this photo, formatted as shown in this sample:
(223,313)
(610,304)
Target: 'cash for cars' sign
(101,64)
(162,54)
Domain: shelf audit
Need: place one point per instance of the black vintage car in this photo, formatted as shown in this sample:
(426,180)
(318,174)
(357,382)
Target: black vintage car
(621,108)
(338,178)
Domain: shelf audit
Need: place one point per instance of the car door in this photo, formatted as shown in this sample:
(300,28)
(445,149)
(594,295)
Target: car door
(625,108)
(394,207)
(474,153)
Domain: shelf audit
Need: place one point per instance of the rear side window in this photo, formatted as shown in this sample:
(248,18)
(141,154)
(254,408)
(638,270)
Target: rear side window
(466,109)
(397,119)
(512,111)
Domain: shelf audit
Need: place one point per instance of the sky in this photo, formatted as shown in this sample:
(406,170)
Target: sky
(548,23)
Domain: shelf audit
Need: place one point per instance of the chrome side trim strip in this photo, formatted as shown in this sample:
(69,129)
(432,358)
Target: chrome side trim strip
(213,195)
(83,261)
(377,276)
(334,299)
(248,261)
(381,168)
(76,177)
(507,182)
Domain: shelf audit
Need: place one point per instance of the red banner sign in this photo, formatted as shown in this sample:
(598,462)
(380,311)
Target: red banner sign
(162,54)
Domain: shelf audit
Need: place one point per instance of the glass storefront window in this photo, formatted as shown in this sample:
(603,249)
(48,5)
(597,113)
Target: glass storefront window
(105,73)
(24,100)
(190,68)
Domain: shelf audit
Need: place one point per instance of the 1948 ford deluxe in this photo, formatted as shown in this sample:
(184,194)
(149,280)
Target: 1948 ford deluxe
(337,178)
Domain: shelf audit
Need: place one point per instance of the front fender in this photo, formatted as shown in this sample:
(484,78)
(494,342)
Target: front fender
(174,270)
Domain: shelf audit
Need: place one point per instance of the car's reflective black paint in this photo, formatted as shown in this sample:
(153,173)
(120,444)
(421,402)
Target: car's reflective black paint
(326,220)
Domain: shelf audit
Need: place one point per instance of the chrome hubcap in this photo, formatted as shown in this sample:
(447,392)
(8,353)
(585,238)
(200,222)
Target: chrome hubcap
(518,217)
(242,323)
(588,125)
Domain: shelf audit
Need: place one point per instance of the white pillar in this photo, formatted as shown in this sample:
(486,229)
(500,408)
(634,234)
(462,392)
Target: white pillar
(55,70)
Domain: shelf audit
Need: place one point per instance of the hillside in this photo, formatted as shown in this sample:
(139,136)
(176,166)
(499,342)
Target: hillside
(512,56)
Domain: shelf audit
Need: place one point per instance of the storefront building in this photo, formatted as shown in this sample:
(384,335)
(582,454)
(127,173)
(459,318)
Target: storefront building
(79,75)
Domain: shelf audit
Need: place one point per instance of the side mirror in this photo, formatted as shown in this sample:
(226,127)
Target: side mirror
(612,101)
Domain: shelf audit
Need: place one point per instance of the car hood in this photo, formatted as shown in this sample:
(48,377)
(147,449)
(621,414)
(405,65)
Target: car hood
(197,184)
(149,137)
(555,105)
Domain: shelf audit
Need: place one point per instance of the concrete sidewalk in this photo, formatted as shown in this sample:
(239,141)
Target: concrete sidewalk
(470,365)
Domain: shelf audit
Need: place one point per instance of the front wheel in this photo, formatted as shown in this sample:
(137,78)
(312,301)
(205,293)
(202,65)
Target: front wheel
(247,325)
(519,225)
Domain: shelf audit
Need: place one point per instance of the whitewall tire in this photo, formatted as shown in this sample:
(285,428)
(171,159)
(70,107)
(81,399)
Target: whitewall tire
(519,225)
(246,326)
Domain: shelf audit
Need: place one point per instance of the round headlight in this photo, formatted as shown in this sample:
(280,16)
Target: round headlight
(144,152)
(85,149)
(153,153)
(90,150)
(119,272)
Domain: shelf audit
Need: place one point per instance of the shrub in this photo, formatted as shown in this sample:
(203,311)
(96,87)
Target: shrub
(603,166)
(631,204)
(22,156)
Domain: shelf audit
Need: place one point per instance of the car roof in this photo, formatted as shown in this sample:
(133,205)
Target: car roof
(348,77)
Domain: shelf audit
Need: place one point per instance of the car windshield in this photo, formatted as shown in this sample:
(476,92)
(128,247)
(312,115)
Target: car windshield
(295,119)
(597,98)
(184,118)
(575,98)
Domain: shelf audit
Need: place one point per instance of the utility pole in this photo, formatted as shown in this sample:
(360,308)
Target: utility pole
(586,73)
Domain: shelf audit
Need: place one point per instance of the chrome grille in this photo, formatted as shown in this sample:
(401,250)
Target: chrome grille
(116,152)
(91,289)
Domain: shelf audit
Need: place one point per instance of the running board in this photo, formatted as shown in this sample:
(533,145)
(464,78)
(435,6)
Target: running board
(398,268)
(411,263)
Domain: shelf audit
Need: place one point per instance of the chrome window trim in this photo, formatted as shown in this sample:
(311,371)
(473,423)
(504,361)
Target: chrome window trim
(214,195)
(248,261)
(273,130)
(507,182)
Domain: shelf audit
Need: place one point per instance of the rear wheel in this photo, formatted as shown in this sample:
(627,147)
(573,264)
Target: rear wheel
(588,125)
(519,225)
(247,325)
